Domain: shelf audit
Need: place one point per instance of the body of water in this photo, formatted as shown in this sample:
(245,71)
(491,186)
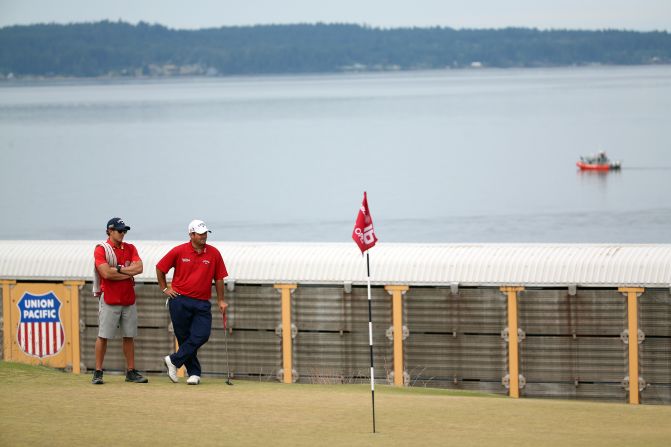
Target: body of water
(446,156)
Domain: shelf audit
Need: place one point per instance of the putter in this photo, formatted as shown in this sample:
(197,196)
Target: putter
(228,369)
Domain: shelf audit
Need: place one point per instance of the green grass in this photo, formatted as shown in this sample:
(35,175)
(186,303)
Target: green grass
(40,406)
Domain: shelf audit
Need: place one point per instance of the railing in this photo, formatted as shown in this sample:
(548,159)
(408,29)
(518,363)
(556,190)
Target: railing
(569,342)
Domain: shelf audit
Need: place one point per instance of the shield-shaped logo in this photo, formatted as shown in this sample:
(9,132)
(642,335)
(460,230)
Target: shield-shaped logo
(40,331)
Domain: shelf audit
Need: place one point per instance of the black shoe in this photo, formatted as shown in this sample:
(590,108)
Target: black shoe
(133,375)
(97,377)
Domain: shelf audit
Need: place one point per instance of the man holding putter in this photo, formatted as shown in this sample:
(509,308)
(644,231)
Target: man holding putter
(196,265)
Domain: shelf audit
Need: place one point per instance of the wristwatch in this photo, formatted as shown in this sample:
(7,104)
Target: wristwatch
(118,268)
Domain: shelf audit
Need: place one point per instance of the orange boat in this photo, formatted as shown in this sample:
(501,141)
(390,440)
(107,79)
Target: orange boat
(598,162)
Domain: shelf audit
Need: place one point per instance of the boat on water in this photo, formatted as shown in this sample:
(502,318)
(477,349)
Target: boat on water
(598,162)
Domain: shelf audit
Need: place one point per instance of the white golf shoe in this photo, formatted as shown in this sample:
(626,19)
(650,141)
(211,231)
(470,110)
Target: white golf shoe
(193,380)
(172,369)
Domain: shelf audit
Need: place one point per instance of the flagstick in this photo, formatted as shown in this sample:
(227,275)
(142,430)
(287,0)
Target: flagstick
(370,342)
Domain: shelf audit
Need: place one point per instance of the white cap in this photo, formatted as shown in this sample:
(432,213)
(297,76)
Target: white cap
(198,226)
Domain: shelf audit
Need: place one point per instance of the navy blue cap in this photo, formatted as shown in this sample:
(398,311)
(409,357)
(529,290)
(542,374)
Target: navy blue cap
(116,223)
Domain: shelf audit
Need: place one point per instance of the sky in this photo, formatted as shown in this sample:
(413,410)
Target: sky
(638,15)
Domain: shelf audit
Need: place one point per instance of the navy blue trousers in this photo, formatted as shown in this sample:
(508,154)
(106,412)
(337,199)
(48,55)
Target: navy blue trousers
(192,323)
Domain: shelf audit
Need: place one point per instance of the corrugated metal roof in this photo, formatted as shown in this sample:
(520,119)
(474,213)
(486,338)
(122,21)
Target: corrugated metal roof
(587,265)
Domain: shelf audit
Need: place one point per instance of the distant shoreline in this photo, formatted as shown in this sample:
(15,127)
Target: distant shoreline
(115,78)
(122,50)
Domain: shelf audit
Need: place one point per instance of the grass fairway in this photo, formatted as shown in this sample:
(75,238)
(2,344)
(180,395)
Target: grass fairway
(39,406)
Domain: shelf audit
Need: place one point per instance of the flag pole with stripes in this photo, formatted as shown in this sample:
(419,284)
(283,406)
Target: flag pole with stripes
(364,236)
(370,341)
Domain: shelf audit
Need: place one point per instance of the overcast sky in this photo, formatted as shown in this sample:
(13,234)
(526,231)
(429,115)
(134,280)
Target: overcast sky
(641,15)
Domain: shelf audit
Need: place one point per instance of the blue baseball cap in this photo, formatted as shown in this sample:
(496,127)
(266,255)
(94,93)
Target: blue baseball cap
(116,223)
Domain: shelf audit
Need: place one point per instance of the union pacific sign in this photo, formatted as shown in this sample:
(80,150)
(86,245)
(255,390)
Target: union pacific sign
(40,331)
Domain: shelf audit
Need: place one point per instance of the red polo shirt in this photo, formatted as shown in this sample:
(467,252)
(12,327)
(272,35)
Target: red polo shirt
(117,293)
(194,272)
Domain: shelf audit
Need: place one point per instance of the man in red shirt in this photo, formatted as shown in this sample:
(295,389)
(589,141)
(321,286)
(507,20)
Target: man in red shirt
(116,262)
(196,265)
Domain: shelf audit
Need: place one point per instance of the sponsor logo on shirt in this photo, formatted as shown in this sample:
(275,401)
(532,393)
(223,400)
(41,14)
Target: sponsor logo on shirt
(186,260)
(205,261)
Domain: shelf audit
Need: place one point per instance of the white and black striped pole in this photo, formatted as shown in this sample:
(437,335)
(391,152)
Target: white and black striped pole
(364,236)
(370,341)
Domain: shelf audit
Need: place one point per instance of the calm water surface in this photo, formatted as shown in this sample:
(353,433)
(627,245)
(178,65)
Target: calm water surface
(453,156)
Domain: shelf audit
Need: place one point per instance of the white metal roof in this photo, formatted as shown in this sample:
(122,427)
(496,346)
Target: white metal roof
(587,265)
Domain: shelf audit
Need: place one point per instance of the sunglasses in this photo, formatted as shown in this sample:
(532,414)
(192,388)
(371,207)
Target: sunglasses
(121,231)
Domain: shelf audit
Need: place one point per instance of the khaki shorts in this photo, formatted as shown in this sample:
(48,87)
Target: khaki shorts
(113,318)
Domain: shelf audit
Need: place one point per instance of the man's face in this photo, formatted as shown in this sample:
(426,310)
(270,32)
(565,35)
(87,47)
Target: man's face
(198,240)
(117,235)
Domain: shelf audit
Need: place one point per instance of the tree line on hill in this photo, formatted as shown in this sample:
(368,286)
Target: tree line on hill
(122,49)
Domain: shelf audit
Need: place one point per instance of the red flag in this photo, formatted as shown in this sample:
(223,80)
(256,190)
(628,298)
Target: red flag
(364,233)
